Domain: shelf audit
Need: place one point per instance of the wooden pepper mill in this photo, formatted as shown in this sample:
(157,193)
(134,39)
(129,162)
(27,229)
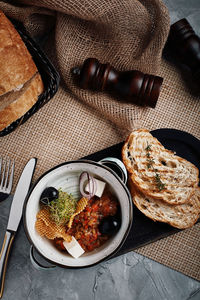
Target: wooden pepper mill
(135,86)
(186,45)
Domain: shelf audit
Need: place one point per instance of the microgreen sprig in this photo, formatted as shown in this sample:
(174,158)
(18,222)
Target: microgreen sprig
(62,208)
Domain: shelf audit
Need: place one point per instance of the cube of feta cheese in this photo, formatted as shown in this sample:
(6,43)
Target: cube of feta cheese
(100,187)
(74,248)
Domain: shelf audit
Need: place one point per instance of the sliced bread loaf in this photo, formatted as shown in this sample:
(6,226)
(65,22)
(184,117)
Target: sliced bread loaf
(18,107)
(20,82)
(16,63)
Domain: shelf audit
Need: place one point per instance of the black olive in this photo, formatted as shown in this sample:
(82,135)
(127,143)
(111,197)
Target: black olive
(110,225)
(49,194)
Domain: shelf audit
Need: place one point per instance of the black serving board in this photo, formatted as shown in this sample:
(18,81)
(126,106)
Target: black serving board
(144,230)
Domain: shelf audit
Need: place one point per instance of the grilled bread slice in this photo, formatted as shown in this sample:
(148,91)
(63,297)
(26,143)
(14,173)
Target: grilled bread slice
(156,171)
(180,216)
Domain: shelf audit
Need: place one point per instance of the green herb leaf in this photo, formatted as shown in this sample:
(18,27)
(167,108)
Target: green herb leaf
(150,161)
(159,183)
(148,148)
(62,208)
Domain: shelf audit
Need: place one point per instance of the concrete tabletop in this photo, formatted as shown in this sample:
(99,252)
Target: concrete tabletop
(130,276)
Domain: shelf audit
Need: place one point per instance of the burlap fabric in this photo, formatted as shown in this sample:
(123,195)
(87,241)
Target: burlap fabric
(128,34)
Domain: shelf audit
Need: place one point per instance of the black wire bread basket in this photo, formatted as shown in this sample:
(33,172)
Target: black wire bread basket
(50,77)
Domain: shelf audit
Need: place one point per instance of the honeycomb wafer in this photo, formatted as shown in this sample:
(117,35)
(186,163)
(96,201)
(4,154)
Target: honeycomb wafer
(48,228)
(81,204)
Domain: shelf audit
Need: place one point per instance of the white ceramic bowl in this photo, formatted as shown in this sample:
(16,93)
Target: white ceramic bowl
(66,176)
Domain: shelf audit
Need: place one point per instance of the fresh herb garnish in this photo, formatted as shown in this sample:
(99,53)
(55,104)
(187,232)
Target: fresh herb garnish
(148,154)
(62,208)
(159,183)
(148,147)
(150,161)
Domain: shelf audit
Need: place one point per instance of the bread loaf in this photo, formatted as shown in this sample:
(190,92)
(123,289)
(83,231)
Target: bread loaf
(20,82)
(156,171)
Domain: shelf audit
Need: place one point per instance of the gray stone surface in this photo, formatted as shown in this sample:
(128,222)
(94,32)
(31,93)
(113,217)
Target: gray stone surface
(189,9)
(130,276)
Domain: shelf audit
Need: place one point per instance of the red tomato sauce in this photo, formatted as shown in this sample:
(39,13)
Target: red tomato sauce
(85,225)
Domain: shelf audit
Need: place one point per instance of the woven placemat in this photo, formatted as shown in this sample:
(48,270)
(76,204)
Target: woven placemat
(66,129)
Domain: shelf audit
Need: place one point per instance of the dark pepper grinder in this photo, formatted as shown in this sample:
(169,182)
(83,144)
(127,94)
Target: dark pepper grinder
(135,86)
(186,45)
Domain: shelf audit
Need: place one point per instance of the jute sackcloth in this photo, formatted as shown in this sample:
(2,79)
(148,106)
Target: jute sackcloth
(76,122)
(127,34)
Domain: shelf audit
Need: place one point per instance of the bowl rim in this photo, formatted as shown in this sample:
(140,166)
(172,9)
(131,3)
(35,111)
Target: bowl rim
(124,236)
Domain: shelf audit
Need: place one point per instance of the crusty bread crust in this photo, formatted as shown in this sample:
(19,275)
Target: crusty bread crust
(180,216)
(16,63)
(19,107)
(11,96)
(180,177)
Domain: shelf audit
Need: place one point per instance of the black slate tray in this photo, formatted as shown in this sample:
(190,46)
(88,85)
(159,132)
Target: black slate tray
(144,230)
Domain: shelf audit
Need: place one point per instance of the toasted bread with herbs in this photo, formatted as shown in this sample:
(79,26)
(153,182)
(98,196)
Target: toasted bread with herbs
(156,171)
(180,216)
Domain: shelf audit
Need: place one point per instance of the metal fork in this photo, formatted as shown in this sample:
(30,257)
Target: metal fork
(6,177)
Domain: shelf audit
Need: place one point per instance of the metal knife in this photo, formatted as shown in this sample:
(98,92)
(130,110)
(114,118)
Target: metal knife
(15,217)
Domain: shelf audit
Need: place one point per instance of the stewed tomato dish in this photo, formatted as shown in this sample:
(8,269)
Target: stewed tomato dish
(85,227)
